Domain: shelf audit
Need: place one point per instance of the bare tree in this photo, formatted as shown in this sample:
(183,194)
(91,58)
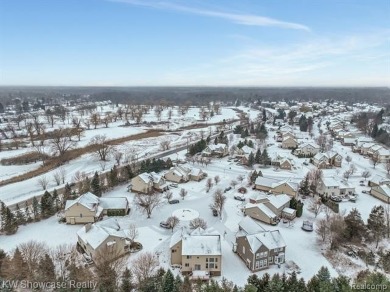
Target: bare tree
(347,174)
(132,232)
(348,159)
(60,143)
(147,203)
(209,184)
(60,255)
(240,178)
(57,178)
(165,144)
(198,222)
(352,169)
(62,172)
(218,201)
(103,165)
(107,119)
(233,183)
(144,266)
(315,207)
(168,195)
(217,179)
(375,160)
(170,113)
(95,119)
(117,156)
(32,252)
(183,193)
(387,166)
(172,222)
(43,182)
(323,229)
(101,146)
(366,174)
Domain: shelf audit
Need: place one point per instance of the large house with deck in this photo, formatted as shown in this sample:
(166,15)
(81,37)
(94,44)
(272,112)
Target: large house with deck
(148,182)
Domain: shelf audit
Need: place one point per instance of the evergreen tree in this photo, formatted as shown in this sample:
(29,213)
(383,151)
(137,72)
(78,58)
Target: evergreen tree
(187,285)
(27,213)
(303,123)
(86,187)
(36,209)
(250,143)
(18,267)
(46,269)
(11,224)
(95,185)
(251,159)
(66,195)
(376,223)
(264,116)
(129,172)
(168,282)
(265,160)
(258,156)
(46,205)
(374,131)
(20,218)
(177,284)
(216,140)
(127,282)
(113,177)
(304,188)
(354,228)
(56,201)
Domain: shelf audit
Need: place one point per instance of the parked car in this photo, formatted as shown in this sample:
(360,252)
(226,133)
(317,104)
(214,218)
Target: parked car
(364,192)
(174,202)
(305,163)
(335,198)
(174,185)
(215,212)
(164,224)
(239,198)
(227,189)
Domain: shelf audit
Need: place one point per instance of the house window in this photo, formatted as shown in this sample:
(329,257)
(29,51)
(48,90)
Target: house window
(265,262)
(257,255)
(187,265)
(243,249)
(257,264)
(81,215)
(198,267)
(270,259)
(173,250)
(188,257)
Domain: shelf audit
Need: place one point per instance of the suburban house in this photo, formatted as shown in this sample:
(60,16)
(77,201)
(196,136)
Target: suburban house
(378,180)
(381,192)
(245,150)
(259,248)
(365,147)
(180,174)
(348,141)
(289,143)
(147,182)
(219,150)
(102,237)
(89,208)
(307,150)
(276,186)
(382,154)
(270,209)
(199,250)
(283,163)
(330,186)
(327,160)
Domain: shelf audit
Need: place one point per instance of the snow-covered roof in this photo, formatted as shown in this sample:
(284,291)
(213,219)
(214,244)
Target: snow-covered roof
(279,200)
(247,150)
(309,145)
(382,151)
(265,181)
(385,190)
(270,239)
(250,226)
(114,203)
(198,242)
(267,211)
(330,182)
(196,171)
(379,180)
(98,232)
(88,200)
(288,210)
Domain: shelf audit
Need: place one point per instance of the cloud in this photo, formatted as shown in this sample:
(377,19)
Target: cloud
(243,19)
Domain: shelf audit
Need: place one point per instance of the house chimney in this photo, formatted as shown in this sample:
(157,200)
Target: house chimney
(88,227)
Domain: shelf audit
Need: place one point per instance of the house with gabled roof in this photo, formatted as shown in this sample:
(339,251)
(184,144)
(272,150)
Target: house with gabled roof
(259,248)
(378,180)
(180,174)
(148,182)
(197,250)
(382,154)
(105,236)
(219,150)
(327,160)
(382,192)
(307,149)
(276,186)
(289,142)
(89,208)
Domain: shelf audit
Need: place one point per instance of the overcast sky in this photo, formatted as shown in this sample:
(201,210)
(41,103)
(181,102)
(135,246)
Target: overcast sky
(195,42)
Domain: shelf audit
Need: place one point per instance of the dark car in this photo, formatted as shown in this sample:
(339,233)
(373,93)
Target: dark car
(215,212)
(174,202)
(164,225)
(364,192)
(239,198)
(227,189)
